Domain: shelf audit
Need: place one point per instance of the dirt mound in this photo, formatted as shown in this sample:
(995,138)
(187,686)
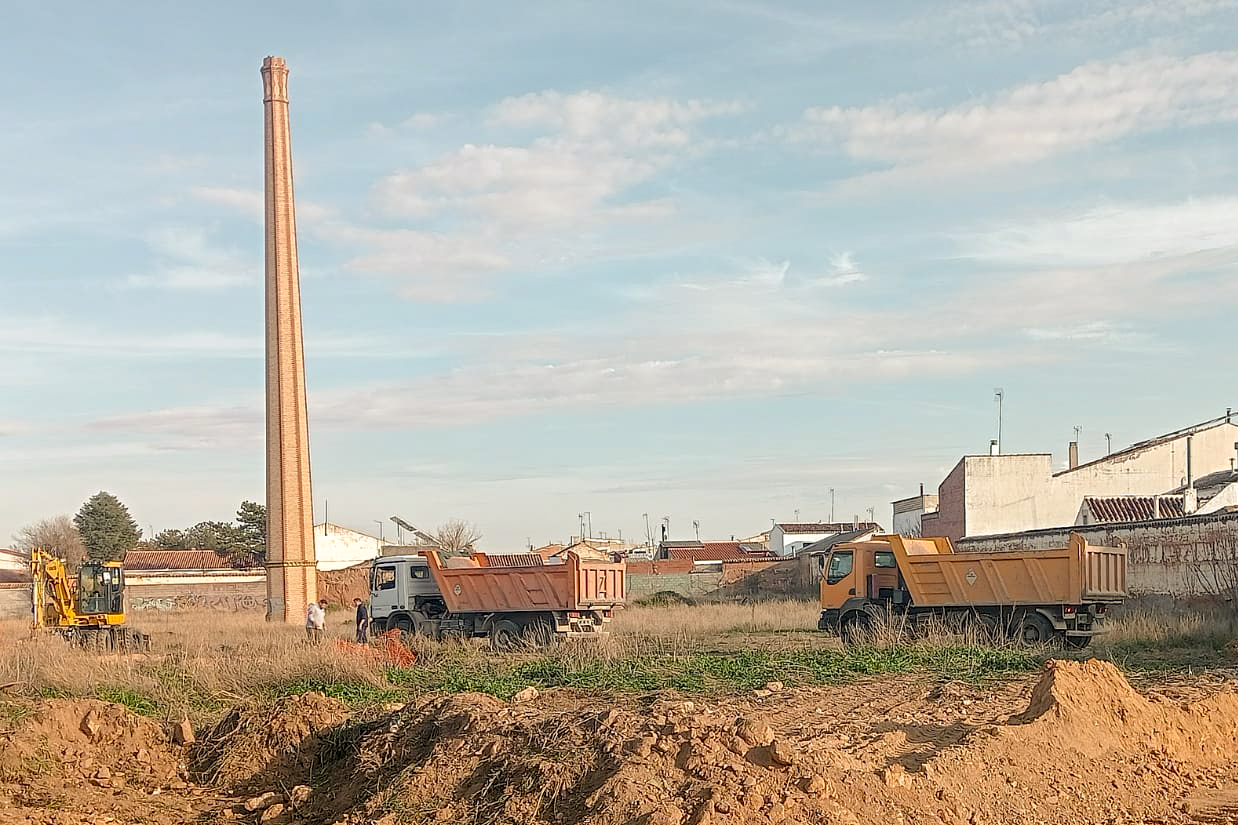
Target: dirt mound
(1086,747)
(1086,743)
(268,745)
(72,739)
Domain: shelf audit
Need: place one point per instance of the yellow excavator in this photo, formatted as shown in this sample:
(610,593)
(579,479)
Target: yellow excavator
(89,610)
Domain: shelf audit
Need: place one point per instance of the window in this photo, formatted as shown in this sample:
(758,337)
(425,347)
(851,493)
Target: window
(417,571)
(384,578)
(884,560)
(840,567)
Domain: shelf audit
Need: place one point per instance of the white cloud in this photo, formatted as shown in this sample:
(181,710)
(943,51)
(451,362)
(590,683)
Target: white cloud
(1114,233)
(1093,104)
(186,260)
(529,204)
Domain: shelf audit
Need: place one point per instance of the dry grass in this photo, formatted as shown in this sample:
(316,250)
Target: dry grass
(200,663)
(203,663)
(690,625)
(1142,627)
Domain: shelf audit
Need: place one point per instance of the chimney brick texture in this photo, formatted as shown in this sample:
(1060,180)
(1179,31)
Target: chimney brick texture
(292,575)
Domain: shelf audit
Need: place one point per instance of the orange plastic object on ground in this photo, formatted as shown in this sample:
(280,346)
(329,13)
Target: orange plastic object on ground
(386,649)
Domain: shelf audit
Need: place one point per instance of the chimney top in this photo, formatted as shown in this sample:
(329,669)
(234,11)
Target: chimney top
(274,63)
(993,448)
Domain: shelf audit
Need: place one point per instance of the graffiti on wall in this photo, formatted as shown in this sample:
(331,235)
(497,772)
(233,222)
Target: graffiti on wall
(200,601)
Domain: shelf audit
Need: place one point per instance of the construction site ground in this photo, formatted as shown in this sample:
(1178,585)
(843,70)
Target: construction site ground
(1075,743)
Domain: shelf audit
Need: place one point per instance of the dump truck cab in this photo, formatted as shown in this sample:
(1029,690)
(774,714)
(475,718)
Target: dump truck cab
(856,575)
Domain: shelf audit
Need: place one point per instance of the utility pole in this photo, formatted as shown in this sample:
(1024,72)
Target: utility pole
(831,505)
(380,529)
(648,530)
(870,514)
(998,395)
(589,517)
(581,517)
(797,514)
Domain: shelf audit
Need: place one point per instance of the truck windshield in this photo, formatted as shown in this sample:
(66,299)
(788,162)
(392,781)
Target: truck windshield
(384,578)
(840,567)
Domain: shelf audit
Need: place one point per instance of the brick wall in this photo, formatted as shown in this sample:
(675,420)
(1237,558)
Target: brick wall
(226,596)
(737,580)
(1187,557)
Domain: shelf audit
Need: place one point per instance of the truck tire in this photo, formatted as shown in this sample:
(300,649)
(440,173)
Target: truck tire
(1035,629)
(538,633)
(853,629)
(504,636)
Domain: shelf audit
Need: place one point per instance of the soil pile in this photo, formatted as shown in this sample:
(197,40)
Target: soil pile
(1084,748)
(85,739)
(268,745)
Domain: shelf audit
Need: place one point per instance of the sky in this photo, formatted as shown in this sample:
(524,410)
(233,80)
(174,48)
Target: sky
(706,260)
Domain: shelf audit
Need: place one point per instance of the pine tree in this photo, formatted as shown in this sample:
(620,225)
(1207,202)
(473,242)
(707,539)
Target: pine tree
(107,529)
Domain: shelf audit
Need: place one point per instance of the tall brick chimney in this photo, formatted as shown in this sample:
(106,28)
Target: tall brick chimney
(292,573)
(1074,454)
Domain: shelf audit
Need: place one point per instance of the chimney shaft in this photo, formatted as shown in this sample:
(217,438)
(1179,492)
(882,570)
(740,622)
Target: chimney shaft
(1190,479)
(1074,454)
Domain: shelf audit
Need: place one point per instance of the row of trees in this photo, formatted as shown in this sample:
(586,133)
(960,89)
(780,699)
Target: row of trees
(243,543)
(103,529)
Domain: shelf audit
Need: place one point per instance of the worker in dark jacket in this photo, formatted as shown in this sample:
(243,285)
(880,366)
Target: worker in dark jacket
(363,622)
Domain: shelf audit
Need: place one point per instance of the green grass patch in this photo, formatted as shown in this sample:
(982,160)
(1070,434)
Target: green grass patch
(354,694)
(709,673)
(139,703)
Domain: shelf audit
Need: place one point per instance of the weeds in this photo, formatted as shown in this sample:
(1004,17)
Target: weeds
(202,664)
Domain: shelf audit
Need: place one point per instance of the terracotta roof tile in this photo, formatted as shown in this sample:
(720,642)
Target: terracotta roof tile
(713,551)
(1134,508)
(175,560)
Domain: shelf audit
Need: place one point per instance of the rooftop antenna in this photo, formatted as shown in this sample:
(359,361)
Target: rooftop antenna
(998,395)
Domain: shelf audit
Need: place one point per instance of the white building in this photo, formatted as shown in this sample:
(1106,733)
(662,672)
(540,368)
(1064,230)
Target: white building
(997,494)
(337,547)
(11,560)
(787,539)
(910,512)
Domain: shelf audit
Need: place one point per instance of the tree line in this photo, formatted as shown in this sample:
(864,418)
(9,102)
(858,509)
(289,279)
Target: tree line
(104,530)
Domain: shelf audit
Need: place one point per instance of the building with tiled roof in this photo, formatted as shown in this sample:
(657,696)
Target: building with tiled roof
(1110,509)
(713,552)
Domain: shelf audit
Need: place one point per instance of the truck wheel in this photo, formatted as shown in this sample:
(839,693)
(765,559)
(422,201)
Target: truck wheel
(538,633)
(1035,629)
(504,636)
(852,629)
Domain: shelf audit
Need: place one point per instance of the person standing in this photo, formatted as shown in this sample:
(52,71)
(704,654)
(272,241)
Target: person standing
(363,622)
(316,620)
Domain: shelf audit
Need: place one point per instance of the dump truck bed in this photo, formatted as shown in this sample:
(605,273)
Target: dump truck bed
(480,587)
(1080,573)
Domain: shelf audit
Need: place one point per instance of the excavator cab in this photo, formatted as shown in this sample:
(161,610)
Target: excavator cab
(101,588)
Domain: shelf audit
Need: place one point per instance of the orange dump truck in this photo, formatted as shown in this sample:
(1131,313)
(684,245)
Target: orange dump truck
(1036,596)
(511,599)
